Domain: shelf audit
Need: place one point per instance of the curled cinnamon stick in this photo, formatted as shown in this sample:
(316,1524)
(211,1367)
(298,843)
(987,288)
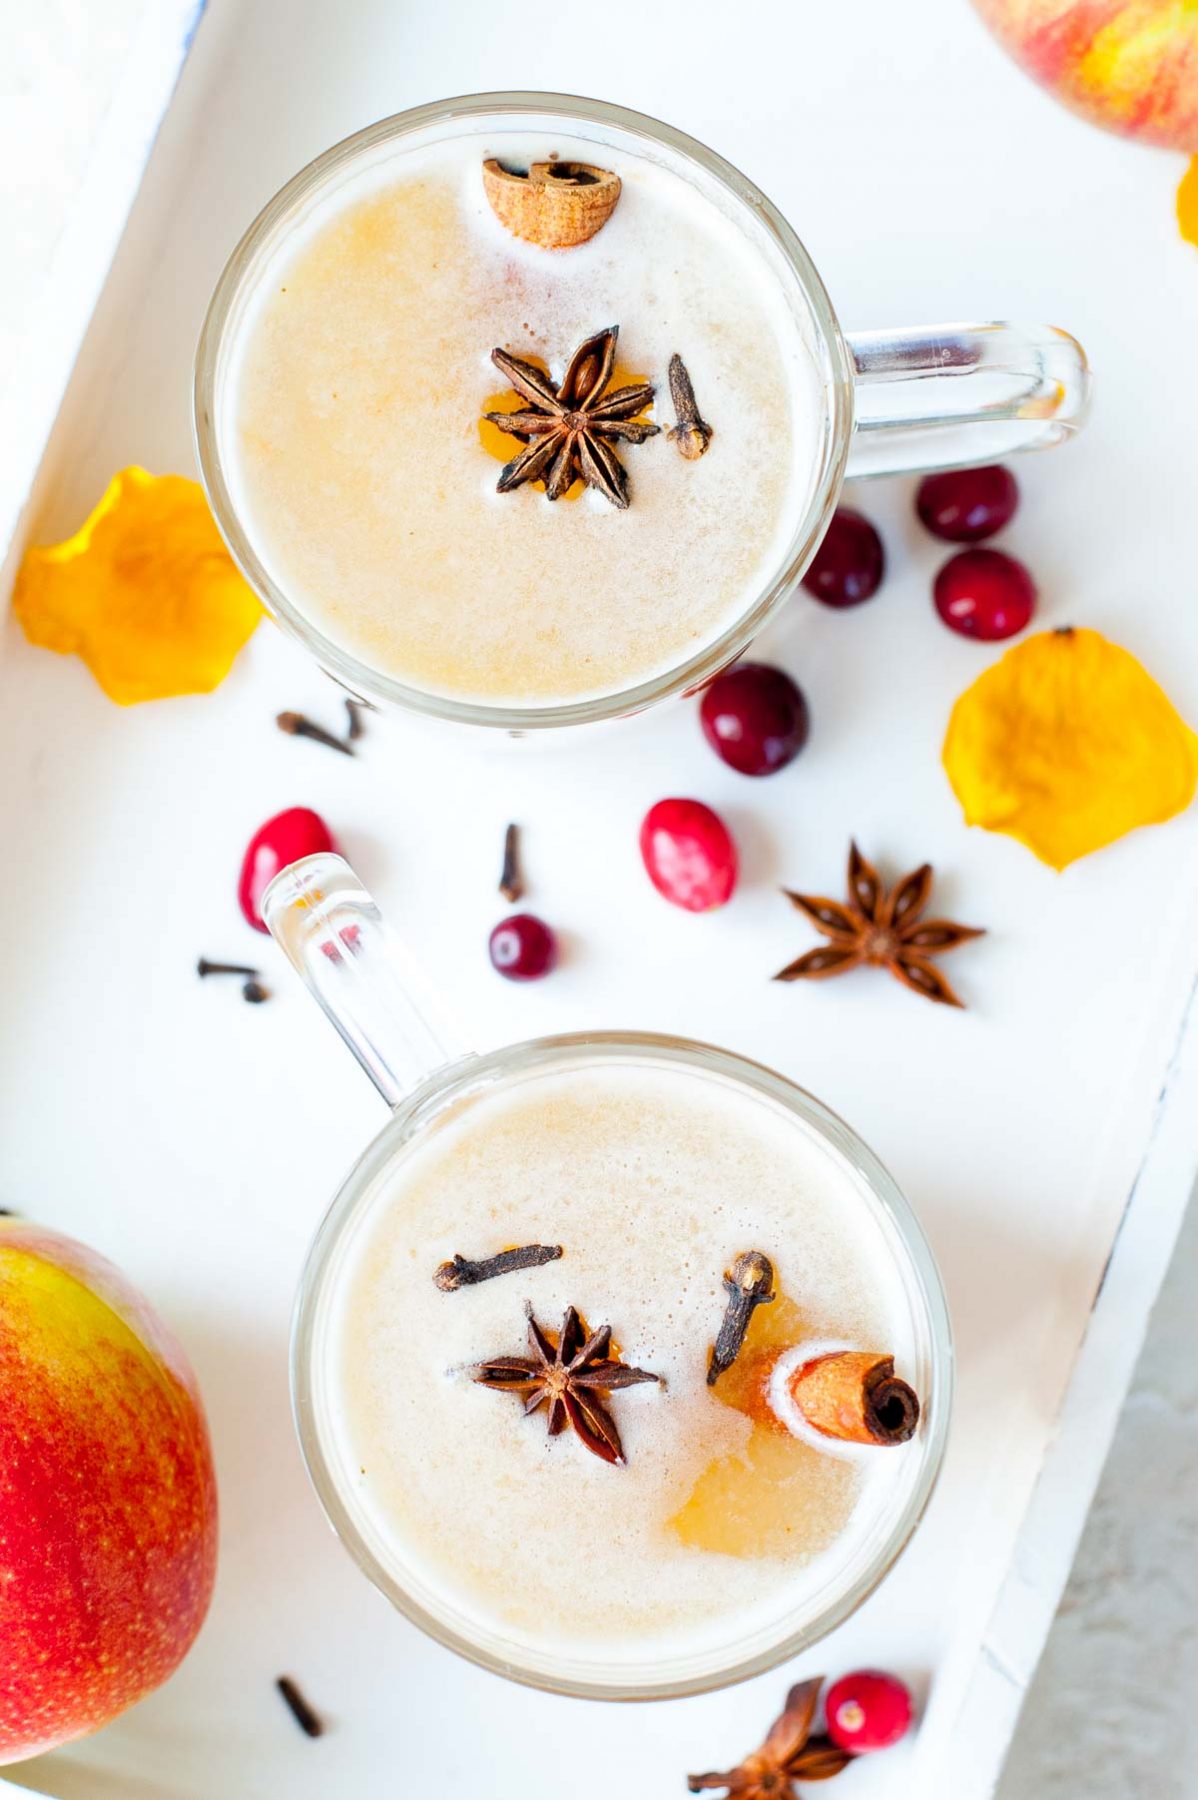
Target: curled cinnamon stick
(553,204)
(856,1396)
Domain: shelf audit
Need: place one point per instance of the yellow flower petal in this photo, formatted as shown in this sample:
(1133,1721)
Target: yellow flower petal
(145,592)
(1187,202)
(1067,743)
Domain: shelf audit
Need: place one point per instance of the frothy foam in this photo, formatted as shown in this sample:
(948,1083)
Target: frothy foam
(653,1180)
(353,446)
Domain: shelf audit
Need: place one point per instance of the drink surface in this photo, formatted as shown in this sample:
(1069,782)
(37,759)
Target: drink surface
(652,1180)
(357,466)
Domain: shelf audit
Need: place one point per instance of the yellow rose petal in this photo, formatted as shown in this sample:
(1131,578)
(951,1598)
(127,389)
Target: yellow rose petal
(145,592)
(1067,743)
(1187,202)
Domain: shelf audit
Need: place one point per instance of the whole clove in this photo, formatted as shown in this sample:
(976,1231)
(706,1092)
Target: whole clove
(691,434)
(462,1272)
(252,988)
(309,1721)
(356,727)
(296,725)
(511,883)
(749,1283)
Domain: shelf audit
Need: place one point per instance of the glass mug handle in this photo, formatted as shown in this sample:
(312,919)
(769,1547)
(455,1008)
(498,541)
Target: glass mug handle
(941,396)
(358,972)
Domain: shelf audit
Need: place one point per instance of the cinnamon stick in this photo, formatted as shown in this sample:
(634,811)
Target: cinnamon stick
(555,204)
(856,1396)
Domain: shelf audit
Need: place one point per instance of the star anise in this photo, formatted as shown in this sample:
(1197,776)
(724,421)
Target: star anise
(568,428)
(789,1754)
(881,926)
(570,1374)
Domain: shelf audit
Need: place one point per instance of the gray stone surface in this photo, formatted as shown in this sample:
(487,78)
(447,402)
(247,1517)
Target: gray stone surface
(1113,1711)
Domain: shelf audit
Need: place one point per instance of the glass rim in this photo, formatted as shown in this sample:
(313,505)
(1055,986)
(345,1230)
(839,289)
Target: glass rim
(832,355)
(682,1675)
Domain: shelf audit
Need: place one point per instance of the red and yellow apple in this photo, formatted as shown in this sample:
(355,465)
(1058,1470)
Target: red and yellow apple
(1131,65)
(107,1494)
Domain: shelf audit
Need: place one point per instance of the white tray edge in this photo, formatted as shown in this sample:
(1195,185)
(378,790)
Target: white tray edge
(85,250)
(979,1738)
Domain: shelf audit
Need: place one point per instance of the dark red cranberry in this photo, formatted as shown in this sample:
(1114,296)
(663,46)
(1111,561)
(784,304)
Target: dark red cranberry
(523,948)
(689,854)
(755,718)
(282,840)
(867,1711)
(963,506)
(984,594)
(849,564)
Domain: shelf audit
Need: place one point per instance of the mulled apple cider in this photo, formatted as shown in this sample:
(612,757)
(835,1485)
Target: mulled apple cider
(524,410)
(615,1372)
(623,309)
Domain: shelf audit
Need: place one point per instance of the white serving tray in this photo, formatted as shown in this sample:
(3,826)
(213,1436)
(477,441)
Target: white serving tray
(1046,1135)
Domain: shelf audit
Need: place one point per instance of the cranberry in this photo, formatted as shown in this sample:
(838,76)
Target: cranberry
(867,1711)
(689,854)
(964,506)
(523,948)
(755,718)
(849,564)
(984,594)
(282,840)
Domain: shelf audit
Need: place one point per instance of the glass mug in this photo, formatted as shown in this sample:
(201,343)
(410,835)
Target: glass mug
(332,933)
(894,401)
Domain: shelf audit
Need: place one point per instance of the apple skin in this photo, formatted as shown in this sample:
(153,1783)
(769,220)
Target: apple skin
(1128,65)
(107,1494)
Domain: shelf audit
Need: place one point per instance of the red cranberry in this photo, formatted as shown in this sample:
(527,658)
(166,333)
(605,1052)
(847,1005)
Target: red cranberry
(849,564)
(867,1711)
(689,854)
(984,594)
(963,506)
(755,718)
(523,948)
(282,840)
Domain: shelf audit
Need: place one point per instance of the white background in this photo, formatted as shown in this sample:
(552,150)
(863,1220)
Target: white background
(196,1140)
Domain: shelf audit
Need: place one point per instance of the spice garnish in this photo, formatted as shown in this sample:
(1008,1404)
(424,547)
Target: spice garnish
(460,1272)
(569,426)
(855,1395)
(748,1282)
(691,434)
(355,727)
(884,927)
(556,204)
(510,884)
(789,1754)
(570,1374)
(253,989)
(308,1721)
(296,725)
